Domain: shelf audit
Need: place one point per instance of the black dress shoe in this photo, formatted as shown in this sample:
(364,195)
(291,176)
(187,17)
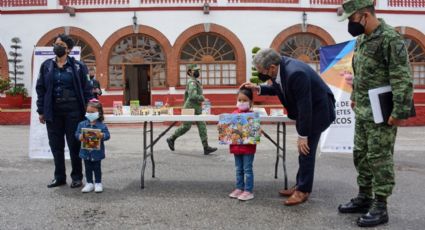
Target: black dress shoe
(56,183)
(209,150)
(76,184)
(359,204)
(170,143)
(377,215)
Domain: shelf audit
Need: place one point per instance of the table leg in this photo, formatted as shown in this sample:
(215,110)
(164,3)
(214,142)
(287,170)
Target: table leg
(151,151)
(277,150)
(284,153)
(142,176)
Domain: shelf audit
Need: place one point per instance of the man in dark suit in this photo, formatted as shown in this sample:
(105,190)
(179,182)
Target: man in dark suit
(308,101)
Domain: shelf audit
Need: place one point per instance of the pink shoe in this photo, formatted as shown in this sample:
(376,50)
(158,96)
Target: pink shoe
(236,193)
(246,196)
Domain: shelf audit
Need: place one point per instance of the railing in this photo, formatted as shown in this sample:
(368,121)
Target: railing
(326,2)
(92,2)
(176,1)
(265,1)
(19,3)
(406,3)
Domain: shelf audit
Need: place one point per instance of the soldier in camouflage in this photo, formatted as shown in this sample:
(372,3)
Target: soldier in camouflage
(193,98)
(380,59)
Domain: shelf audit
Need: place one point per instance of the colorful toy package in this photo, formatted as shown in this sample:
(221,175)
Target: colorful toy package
(117,108)
(134,107)
(243,128)
(91,139)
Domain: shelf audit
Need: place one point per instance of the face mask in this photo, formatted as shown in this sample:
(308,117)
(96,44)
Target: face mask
(92,116)
(196,74)
(243,106)
(355,28)
(264,77)
(59,50)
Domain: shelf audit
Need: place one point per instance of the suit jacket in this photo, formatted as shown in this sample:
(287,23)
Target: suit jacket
(306,97)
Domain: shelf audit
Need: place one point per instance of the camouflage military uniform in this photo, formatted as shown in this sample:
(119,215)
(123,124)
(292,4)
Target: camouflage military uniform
(193,99)
(380,59)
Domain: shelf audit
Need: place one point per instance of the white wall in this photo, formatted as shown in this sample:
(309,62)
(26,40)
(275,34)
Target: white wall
(253,28)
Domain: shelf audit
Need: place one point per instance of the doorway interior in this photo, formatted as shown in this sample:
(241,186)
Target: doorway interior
(137,84)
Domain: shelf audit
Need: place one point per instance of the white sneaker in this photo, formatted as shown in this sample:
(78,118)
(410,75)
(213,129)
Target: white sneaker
(246,196)
(89,187)
(98,187)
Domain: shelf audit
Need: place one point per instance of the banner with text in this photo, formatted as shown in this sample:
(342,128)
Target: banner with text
(335,64)
(39,143)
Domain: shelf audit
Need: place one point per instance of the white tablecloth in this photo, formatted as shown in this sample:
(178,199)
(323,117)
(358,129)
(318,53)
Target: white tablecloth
(112,119)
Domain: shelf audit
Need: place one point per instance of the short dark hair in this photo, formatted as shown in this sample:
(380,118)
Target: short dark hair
(247,92)
(99,107)
(67,39)
(370,9)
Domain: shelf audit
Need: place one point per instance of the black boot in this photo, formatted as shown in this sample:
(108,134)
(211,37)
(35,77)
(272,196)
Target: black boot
(359,204)
(209,150)
(377,215)
(170,142)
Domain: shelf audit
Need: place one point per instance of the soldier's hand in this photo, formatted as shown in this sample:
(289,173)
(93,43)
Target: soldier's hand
(394,121)
(41,119)
(353,104)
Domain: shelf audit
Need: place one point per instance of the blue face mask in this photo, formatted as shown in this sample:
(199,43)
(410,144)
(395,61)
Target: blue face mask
(92,116)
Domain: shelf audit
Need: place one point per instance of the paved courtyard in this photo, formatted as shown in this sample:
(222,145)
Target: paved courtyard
(190,190)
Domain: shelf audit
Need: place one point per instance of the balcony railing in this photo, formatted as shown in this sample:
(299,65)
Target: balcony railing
(177,1)
(92,2)
(406,3)
(326,2)
(265,1)
(22,3)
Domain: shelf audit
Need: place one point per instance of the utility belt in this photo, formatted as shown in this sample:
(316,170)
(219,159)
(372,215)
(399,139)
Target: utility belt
(60,100)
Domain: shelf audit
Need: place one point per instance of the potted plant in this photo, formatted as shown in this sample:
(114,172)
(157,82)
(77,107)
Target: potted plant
(15,96)
(16,93)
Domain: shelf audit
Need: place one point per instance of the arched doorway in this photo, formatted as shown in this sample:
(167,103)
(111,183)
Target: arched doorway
(90,48)
(214,55)
(4,64)
(218,52)
(302,44)
(87,53)
(415,44)
(137,63)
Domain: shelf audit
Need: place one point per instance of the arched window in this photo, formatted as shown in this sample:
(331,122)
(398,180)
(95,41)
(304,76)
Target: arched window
(137,49)
(304,47)
(214,55)
(87,54)
(417,61)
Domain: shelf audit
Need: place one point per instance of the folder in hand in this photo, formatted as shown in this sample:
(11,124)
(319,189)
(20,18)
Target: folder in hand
(381,101)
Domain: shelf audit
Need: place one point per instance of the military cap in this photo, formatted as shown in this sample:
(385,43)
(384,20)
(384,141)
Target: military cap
(193,67)
(352,6)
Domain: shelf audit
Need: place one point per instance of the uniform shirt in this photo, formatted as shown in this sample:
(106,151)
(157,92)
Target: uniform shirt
(193,96)
(381,59)
(63,85)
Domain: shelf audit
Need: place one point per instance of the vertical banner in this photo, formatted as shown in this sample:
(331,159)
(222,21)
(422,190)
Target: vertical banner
(335,63)
(39,143)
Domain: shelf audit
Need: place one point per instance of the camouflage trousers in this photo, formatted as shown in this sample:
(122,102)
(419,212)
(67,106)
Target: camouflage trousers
(373,157)
(202,128)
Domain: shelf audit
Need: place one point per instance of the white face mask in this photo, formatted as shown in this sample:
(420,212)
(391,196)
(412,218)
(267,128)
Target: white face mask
(243,106)
(92,116)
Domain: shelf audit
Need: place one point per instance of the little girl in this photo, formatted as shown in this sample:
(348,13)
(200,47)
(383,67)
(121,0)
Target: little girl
(244,154)
(92,158)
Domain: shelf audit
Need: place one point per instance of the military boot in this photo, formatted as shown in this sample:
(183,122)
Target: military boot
(170,142)
(377,215)
(209,149)
(359,204)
